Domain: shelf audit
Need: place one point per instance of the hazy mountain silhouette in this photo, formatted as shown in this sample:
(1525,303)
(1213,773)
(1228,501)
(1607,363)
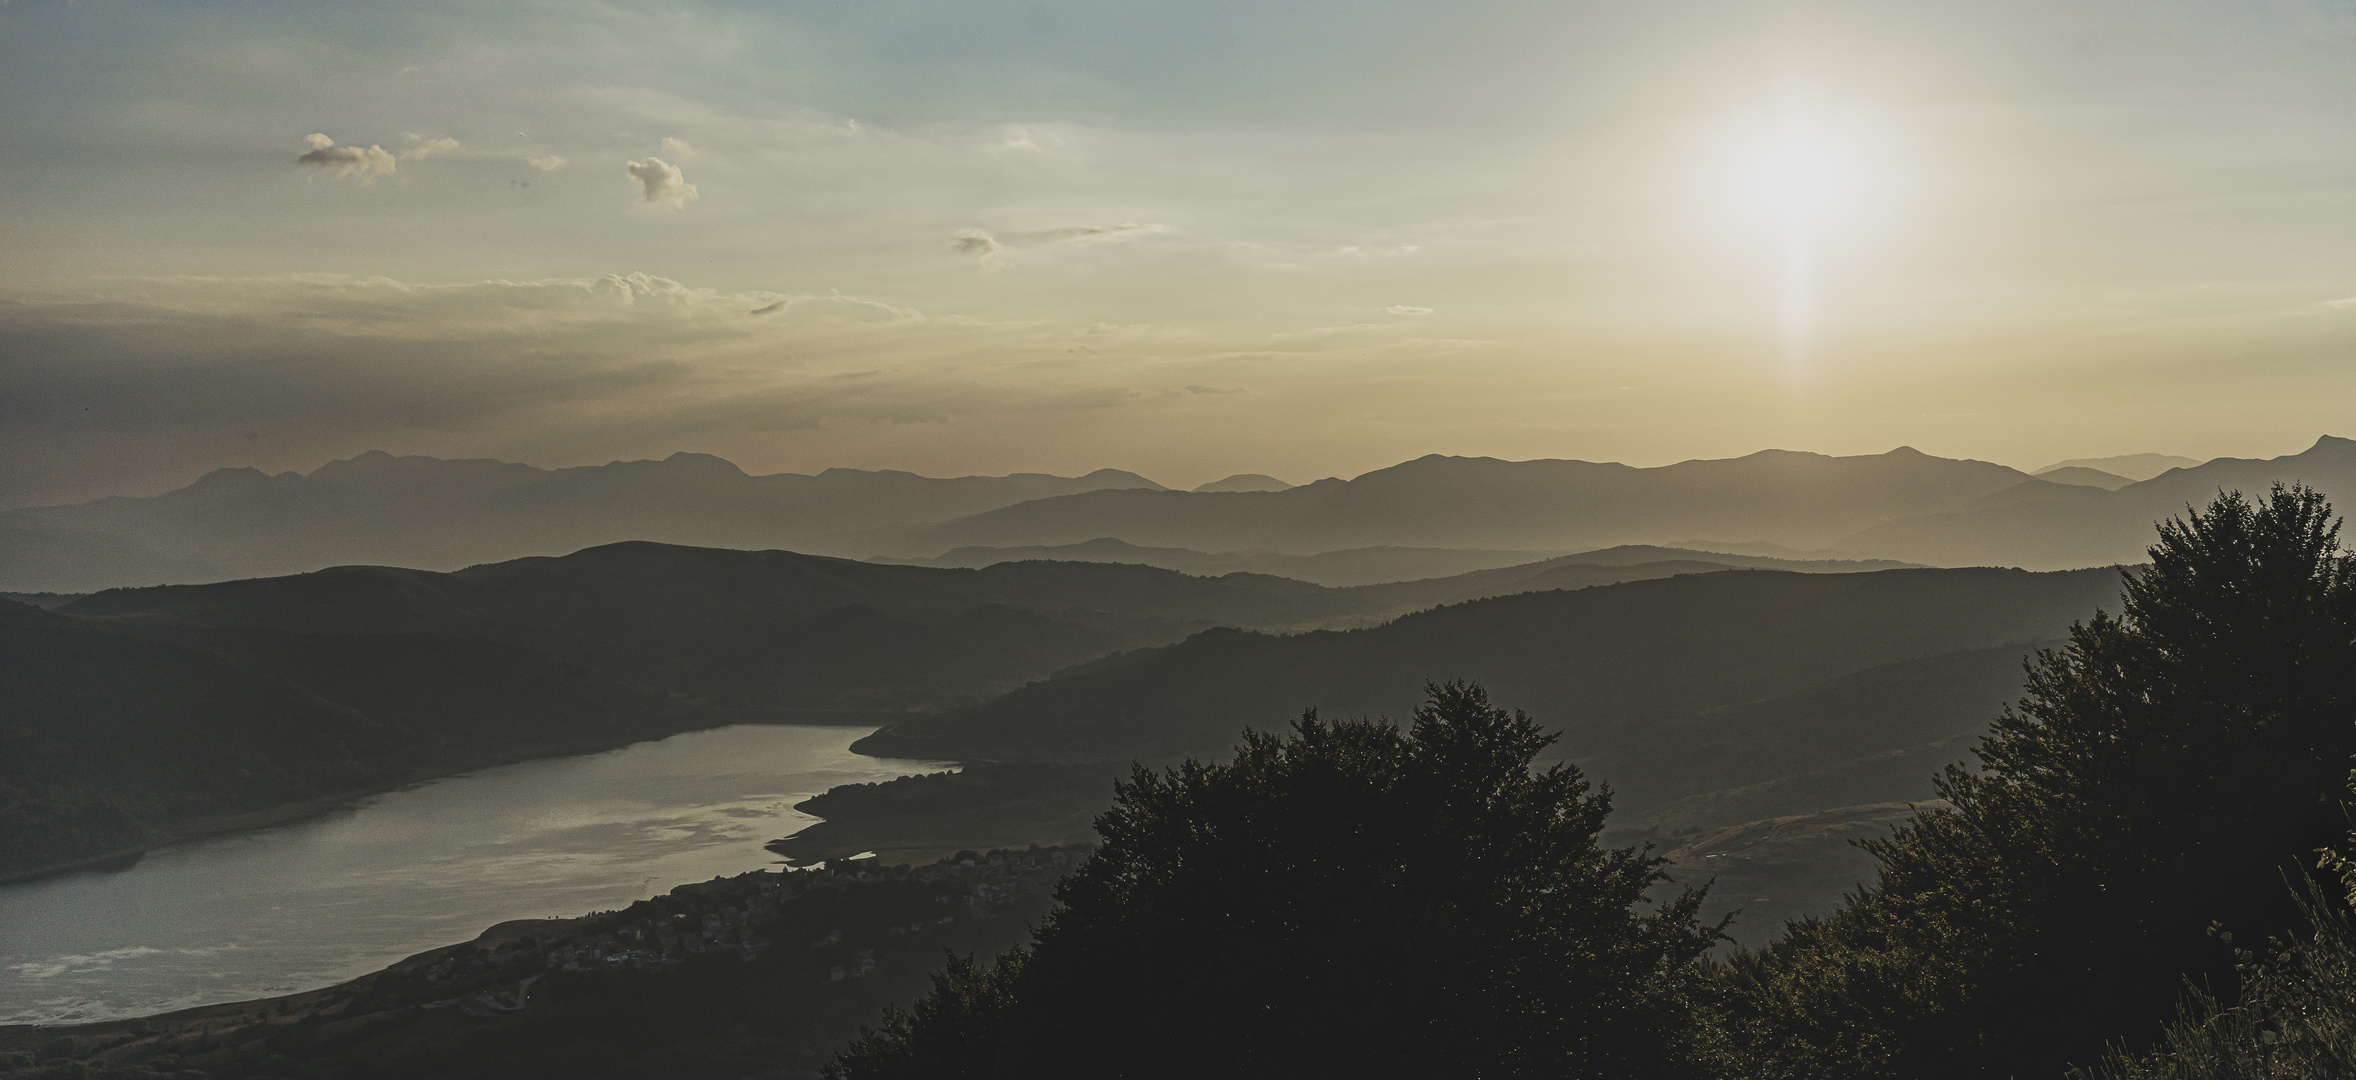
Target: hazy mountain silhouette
(1364,566)
(2042,525)
(1246,482)
(1385,525)
(1354,566)
(2084,477)
(437,514)
(1774,495)
(1604,664)
(2132,466)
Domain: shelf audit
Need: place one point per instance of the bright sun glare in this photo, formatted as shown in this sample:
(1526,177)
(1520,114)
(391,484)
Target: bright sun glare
(1800,180)
(1797,176)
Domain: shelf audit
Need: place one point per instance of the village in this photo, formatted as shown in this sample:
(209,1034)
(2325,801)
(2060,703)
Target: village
(840,913)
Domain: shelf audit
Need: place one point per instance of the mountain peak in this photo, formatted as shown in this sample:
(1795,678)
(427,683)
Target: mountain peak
(1121,478)
(1246,482)
(707,463)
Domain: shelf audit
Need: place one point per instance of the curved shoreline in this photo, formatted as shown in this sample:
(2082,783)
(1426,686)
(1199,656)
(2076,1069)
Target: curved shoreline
(208,827)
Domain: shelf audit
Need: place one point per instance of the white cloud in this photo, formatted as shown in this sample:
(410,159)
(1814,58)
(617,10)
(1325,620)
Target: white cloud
(550,163)
(426,148)
(677,147)
(663,184)
(2335,305)
(364,164)
(1405,309)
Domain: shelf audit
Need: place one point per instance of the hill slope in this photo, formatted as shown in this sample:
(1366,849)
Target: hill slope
(123,733)
(771,630)
(1604,664)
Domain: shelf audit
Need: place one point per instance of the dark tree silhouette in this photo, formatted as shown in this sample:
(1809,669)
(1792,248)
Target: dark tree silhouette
(1348,900)
(2164,773)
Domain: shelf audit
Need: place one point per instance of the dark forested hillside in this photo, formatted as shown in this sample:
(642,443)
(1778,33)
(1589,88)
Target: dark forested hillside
(1706,700)
(779,630)
(749,630)
(117,736)
(1597,662)
(441,671)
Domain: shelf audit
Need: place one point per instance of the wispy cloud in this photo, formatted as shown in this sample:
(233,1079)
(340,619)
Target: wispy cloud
(989,249)
(549,163)
(364,164)
(426,148)
(1101,234)
(979,245)
(1406,309)
(662,183)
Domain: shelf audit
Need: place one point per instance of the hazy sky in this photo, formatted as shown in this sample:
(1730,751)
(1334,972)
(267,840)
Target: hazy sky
(1184,238)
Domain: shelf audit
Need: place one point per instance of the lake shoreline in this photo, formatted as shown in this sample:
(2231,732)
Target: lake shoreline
(366,881)
(212,826)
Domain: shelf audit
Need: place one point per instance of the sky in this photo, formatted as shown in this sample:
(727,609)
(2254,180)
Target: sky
(1187,239)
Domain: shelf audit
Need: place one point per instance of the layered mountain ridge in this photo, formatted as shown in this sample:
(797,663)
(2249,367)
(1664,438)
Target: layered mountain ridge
(1391,524)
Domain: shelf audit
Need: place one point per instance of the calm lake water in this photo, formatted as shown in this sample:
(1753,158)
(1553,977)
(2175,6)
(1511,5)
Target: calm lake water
(316,902)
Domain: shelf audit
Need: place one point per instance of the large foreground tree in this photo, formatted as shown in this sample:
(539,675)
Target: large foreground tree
(2165,773)
(1349,900)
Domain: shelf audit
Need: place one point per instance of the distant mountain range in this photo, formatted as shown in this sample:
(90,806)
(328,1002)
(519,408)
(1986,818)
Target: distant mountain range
(1390,524)
(435,514)
(1378,565)
(2042,525)
(1805,500)
(2128,467)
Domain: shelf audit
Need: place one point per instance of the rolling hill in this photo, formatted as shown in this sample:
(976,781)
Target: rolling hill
(1606,665)
(1705,701)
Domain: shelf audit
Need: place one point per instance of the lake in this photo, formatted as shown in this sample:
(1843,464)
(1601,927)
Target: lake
(313,903)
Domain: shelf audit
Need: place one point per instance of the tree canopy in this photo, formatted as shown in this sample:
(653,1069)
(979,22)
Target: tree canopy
(2165,771)
(1348,899)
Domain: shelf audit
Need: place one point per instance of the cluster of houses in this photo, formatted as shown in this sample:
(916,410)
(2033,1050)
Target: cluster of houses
(749,915)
